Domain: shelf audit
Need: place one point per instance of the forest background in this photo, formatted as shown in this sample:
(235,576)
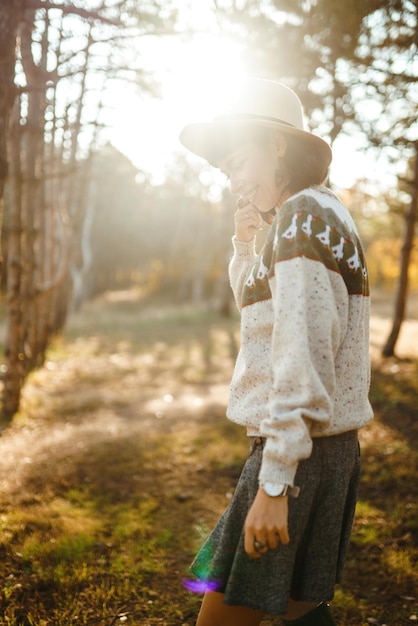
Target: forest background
(104,217)
(80,217)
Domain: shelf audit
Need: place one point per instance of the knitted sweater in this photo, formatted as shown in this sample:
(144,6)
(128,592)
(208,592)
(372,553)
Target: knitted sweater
(303,369)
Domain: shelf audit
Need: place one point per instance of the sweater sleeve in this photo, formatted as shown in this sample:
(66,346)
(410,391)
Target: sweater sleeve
(243,258)
(310,303)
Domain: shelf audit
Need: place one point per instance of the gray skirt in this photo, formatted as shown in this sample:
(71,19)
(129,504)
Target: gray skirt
(320,522)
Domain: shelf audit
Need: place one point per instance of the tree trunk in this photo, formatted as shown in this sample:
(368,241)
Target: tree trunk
(13,355)
(23,271)
(10,11)
(401,296)
(9,18)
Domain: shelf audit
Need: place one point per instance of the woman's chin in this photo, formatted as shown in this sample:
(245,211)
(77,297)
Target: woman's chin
(268,216)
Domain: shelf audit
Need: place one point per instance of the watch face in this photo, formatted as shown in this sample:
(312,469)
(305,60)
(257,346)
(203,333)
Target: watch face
(274,489)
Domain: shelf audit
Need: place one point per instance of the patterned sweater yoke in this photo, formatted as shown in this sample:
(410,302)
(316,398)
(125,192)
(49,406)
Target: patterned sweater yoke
(303,369)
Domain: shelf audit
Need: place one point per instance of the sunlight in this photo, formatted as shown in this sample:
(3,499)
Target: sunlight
(207,72)
(197,76)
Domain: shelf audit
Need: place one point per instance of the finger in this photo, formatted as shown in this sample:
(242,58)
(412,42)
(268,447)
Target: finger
(251,218)
(257,554)
(243,202)
(255,216)
(250,546)
(273,539)
(245,214)
(283,534)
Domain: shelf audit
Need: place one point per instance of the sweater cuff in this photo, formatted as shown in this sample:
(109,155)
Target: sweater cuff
(243,248)
(275,472)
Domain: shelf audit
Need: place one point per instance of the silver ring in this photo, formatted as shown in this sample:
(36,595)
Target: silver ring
(258,546)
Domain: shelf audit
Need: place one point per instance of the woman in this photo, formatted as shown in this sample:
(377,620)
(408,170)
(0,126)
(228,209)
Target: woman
(301,380)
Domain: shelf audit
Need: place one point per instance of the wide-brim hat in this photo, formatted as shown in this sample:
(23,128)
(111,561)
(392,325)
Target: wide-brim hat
(259,102)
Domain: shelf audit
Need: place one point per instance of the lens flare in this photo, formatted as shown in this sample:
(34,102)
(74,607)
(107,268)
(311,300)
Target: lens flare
(201,586)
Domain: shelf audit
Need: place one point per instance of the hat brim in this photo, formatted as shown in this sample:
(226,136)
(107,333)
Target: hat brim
(214,140)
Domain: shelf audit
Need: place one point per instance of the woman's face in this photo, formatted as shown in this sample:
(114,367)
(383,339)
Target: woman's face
(257,174)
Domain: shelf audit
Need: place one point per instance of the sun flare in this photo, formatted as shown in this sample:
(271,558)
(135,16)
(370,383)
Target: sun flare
(197,76)
(206,73)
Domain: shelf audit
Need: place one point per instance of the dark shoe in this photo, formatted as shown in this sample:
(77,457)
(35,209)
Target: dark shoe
(320,616)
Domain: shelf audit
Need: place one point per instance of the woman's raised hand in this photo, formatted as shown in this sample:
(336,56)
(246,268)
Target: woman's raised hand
(247,220)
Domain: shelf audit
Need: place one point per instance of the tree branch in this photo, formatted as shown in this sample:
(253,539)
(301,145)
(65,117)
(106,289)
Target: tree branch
(71,10)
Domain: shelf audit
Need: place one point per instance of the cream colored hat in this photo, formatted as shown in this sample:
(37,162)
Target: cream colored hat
(260,102)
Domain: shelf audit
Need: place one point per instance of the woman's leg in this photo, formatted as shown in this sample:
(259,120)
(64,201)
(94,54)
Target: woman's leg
(214,612)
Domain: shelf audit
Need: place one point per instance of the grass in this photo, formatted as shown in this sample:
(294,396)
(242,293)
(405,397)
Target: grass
(121,460)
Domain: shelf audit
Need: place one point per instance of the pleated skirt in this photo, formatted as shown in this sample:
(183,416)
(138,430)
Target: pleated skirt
(320,521)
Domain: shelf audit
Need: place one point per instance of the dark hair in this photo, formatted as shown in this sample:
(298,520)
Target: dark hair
(303,165)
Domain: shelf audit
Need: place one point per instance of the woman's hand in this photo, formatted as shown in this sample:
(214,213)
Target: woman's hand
(266,523)
(247,221)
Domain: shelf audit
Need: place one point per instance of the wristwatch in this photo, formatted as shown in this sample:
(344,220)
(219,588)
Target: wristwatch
(274,490)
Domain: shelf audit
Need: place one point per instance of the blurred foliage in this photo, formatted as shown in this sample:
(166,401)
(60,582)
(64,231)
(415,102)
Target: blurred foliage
(173,239)
(164,238)
(383,258)
(80,219)
(347,61)
(352,64)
